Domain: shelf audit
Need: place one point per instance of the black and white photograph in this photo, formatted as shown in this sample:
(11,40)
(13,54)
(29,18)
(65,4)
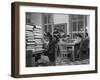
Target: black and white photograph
(54,39)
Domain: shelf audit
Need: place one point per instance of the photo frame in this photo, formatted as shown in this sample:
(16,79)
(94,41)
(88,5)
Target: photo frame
(28,58)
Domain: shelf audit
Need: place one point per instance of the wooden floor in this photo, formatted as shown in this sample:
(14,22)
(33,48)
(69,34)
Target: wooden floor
(67,61)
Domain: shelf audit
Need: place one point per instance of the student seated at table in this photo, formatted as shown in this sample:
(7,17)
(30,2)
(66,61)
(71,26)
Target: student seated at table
(62,40)
(66,38)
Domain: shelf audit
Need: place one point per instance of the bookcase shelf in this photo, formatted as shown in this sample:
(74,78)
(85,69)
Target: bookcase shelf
(34,38)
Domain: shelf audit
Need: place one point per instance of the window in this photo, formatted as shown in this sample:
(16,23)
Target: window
(78,25)
(47,22)
(28,18)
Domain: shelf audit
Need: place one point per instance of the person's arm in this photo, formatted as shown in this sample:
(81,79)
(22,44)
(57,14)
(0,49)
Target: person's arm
(77,41)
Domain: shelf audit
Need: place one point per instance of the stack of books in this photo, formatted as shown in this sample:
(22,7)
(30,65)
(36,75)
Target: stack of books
(38,36)
(30,42)
(34,38)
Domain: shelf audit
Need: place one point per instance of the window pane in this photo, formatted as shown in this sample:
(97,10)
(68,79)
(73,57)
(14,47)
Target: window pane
(80,25)
(45,28)
(80,17)
(45,19)
(85,20)
(28,18)
(74,17)
(49,19)
(50,28)
(74,26)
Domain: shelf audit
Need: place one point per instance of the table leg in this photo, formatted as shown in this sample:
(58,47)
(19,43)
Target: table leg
(73,53)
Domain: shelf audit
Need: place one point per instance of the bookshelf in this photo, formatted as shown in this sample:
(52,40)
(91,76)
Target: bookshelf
(34,38)
(34,43)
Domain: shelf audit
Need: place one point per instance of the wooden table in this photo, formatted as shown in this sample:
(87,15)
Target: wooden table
(72,45)
(73,50)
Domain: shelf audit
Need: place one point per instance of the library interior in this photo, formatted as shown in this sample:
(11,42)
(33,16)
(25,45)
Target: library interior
(56,39)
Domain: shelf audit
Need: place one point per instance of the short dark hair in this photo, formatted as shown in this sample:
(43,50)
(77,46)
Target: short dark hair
(79,35)
(86,34)
(49,35)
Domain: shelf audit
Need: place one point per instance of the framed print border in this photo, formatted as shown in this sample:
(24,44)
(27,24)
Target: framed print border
(15,39)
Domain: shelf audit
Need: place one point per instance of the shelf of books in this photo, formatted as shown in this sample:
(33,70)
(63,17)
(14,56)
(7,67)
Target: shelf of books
(34,43)
(34,38)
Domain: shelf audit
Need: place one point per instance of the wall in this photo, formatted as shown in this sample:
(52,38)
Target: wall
(59,18)
(88,25)
(5,41)
(36,19)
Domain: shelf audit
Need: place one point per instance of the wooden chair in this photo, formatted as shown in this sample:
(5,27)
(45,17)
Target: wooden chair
(64,51)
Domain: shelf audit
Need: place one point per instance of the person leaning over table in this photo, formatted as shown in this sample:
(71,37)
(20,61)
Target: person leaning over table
(50,50)
(56,38)
(85,46)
